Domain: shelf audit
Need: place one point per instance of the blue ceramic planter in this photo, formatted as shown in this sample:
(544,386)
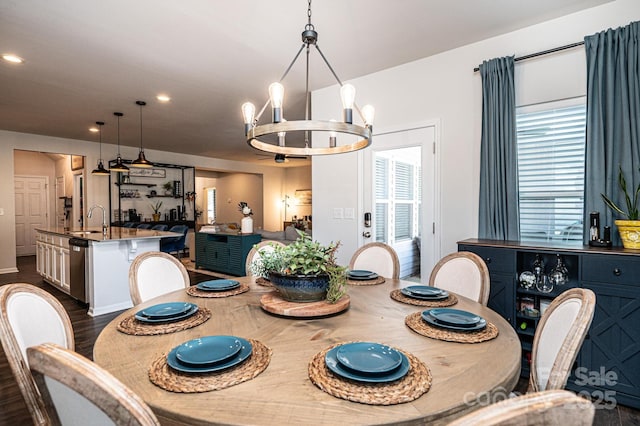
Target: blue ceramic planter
(300,288)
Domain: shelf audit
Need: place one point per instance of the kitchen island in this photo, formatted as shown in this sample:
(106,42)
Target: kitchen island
(91,266)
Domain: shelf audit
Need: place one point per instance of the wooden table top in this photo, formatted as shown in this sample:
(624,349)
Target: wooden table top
(283,393)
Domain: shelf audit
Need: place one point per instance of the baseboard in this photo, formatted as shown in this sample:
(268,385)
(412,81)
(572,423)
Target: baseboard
(109,309)
(9,270)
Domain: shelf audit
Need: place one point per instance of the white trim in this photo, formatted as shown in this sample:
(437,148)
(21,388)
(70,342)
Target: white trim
(8,271)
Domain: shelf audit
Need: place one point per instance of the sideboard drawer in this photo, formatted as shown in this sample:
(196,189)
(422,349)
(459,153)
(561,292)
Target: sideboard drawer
(611,269)
(497,260)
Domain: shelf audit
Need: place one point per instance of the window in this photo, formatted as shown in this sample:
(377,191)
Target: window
(211,204)
(551,161)
(397,195)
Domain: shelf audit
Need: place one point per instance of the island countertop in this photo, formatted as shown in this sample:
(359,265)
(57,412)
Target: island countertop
(114,233)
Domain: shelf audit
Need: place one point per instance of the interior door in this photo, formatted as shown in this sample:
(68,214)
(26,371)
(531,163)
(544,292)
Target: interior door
(31,195)
(421,224)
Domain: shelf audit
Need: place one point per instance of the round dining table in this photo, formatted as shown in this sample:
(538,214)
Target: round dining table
(464,375)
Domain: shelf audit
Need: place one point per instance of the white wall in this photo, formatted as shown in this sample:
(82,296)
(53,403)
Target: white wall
(98,186)
(444,88)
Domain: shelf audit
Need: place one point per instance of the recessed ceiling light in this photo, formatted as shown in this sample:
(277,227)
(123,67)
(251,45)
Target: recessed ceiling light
(12,58)
(94,129)
(163,98)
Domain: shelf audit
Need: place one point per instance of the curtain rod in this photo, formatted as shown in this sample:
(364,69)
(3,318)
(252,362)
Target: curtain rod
(544,52)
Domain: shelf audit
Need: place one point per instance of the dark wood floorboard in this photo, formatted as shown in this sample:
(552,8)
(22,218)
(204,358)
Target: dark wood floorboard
(86,329)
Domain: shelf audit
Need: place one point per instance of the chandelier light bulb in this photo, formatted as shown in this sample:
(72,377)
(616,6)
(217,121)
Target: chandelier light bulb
(348,96)
(368,113)
(281,136)
(276,94)
(248,113)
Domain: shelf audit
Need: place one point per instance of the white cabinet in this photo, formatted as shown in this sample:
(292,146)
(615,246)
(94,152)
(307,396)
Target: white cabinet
(52,259)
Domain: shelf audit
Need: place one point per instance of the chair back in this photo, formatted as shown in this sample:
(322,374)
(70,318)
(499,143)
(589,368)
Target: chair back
(160,227)
(262,246)
(129,225)
(144,226)
(555,407)
(463,273)
(155,273)
(30,316)
(175,244)
(558,338)
(377,257)
(78,392)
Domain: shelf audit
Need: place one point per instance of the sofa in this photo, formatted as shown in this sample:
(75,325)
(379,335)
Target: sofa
(287,236)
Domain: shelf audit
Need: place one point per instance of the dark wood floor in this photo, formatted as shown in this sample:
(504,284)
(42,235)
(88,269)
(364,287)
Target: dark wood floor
(86,329)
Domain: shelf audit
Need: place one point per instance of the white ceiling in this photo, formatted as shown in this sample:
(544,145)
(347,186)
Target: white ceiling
(86,59)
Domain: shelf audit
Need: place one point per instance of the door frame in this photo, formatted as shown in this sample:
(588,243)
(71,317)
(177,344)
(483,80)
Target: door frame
(430,243)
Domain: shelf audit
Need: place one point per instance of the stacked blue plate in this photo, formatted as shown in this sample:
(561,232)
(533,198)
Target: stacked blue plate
(361,275)
(454,319)
(367,362)
(166,312)
(424,292)
(218,285)
(209,354)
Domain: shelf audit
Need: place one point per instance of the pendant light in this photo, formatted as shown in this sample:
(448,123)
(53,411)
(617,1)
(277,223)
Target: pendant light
(100,170)
(119,166)
(141,161)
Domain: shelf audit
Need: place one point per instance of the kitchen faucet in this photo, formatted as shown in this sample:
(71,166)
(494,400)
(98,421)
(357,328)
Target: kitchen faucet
(104,217)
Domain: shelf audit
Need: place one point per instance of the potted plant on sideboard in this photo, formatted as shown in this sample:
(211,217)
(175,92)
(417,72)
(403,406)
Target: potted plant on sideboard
(303,271)
(156,210)
(629,228)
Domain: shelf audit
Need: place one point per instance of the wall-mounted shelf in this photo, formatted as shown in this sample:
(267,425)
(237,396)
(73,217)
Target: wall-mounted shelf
(148,185)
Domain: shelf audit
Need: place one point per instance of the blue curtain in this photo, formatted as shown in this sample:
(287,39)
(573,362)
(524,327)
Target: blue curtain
(613,119)
(498,215)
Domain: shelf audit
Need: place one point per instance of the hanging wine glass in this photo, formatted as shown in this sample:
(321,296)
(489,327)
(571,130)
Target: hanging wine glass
(559,275)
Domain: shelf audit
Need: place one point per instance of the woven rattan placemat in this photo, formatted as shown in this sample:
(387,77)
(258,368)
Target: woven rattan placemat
(264,282)
(169,379)
(375,281)
(130,325)
(449,301)
(196,292)
(417,324)
(409,388)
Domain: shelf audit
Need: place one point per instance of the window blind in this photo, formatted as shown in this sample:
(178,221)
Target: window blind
(551,159)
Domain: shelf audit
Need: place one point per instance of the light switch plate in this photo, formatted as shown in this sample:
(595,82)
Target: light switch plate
(349,213)
(338,213)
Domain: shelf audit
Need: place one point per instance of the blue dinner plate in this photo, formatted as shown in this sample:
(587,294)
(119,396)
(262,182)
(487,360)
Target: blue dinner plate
(425,290)
(371,276)
(187,314)
(165,310)
(336,367)
(455,317)
(409,293)
(366,357)
(431,320)
(218,285)
(208,350)
(245,352)
(360,273)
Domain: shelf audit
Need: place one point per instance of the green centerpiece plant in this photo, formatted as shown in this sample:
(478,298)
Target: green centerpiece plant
(629,229)
(156,210)
(303,271)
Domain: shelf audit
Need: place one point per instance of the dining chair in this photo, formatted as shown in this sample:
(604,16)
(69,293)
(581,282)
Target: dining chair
(553,407)
(155,273)
(262,246)
(144,226)
(377,257)
(160,227)
(175,244)
(30,316)
(463,273)
(77,391)
(558,338)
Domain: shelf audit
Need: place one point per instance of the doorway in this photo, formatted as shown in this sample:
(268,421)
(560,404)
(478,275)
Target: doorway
(400,189)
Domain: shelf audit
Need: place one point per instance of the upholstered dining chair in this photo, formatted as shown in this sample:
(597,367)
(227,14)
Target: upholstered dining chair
(265,245)
(377,257)
(554,407)
(463,273)
(175,244)
(558,338)
(77,391)
(160,227)
(155,273)
(30,316)
(144,226)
